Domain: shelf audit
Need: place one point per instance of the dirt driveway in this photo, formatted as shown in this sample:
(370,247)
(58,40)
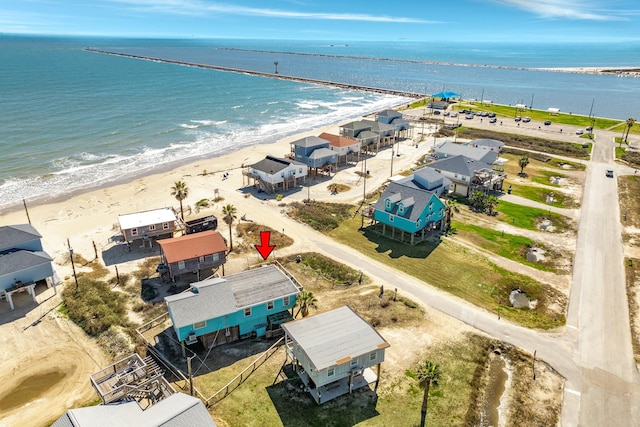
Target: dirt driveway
(45,362)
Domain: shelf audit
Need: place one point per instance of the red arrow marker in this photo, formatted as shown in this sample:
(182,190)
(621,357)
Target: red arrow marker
(264,248)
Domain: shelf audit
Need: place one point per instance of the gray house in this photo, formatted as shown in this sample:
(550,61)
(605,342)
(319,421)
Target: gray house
(23,262)
(395,118)
(371,134)
(467,174)
(487,144)
(333,352)
(315,153)
(273,173)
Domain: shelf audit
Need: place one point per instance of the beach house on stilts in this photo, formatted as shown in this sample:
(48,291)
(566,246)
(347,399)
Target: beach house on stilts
(275,174)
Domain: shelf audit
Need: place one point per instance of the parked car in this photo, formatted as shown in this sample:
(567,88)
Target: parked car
(526,119)
(493,120)
(436,112)
(446,113)
(469,116)
(579,132)
(609,173)
(517,118)
(454,114)
(547,122)
(588,128)
(492,114)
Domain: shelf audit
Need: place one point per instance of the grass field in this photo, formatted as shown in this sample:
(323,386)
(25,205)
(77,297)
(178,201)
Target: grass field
(541,195)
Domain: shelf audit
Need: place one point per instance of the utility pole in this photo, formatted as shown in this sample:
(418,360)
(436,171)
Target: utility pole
(364,191)
(73,266)
(26,210)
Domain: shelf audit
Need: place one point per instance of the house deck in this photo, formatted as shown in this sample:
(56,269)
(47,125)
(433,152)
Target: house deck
(340,387)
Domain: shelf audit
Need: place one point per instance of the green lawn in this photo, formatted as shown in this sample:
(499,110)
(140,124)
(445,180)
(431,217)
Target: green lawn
(459,271)
(506,245)
(540,194)
(528,218)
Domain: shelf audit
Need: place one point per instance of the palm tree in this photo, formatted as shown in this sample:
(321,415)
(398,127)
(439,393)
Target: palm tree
(491,202)
(428,374)
(477,199)
(305,301)
(180,191)
(229,215)
(523,162)
(630,122)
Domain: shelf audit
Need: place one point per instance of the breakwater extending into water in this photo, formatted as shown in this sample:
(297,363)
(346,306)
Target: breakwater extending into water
(263,74)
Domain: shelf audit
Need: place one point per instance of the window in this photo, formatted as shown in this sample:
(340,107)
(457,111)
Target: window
(216,257)
(270,305)
(390,218)
(201,259)
(300,170)
(331,372)
(200,325)
(418,222)
(152,227)
(401,209)
(165,225)
(372,357)
(134,231)
(285,301)
(354,362)
(181,265)
(247,312)
(387,204)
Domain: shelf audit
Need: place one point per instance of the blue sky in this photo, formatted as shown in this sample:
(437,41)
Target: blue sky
(458,20)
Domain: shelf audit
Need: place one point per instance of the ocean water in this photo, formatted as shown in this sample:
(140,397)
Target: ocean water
(72,119)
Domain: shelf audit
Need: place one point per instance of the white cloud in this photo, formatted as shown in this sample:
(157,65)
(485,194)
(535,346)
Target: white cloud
(197,7)
(570,9)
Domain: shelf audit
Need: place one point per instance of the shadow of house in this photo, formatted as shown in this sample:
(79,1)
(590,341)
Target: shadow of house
(124,252)
(333,353)
(23,263)
(199,253)
(275,174)
(410,210)
(316,154)
(251,303)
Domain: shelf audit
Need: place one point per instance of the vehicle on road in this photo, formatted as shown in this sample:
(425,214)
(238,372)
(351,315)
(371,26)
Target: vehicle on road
(517,118)
(526,119)
(446,113)
(547,122)
(454,114)
(579,132)
(469,116)
(493,120)
(588,128)
(609,173)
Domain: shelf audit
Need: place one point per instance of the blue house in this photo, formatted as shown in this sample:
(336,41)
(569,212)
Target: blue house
(410,208)
(23,262)
(315,153)
(224,309)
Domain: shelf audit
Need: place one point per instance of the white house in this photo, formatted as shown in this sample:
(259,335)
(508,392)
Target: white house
(273,173)
(148,224)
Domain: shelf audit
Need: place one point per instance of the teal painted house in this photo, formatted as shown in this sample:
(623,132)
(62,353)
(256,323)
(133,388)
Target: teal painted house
(410,209)
(224,309)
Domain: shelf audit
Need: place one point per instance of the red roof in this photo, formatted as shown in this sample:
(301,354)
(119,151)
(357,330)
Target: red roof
(338,141)
(192,246)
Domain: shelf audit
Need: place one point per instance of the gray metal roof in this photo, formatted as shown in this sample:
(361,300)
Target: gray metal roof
(14,262)
(449,148)
(272,164)
(486,142)
(358,125)
(310,141)
(259,285)
(322,153)
(12,236)
(461,165)
(220,296)
(382,127)
(177,410)
(396,191)
(390,113)
(333,336)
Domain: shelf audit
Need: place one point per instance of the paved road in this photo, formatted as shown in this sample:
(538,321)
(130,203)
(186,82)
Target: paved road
(594,353)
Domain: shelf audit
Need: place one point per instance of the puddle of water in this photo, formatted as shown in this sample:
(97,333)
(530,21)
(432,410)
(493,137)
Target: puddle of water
(30,389)
(496,386)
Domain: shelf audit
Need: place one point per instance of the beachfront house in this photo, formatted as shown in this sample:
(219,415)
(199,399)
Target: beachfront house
(487,144)
(224,309)
(347,148)
(148,225)
(134,392)
(315,153)
(199,253)
(468,175)
(449,149)
(395,118)
(275,174)
(23,262)
(410,209)
(371,134)
(333,352)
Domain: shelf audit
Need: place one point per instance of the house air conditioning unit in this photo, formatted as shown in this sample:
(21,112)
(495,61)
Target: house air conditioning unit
(191,338)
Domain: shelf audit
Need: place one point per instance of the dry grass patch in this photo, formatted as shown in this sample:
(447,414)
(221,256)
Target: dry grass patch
(249,234)
(633,299)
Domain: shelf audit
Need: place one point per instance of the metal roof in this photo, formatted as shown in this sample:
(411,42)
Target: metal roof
(272,164)
(12,236)
(333,336)
(310,141)
(192,246)
(486,142)
(177,410)
(220,296)
(461,165)
(323,153)
(450,148)
(398,192)
(146,218)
